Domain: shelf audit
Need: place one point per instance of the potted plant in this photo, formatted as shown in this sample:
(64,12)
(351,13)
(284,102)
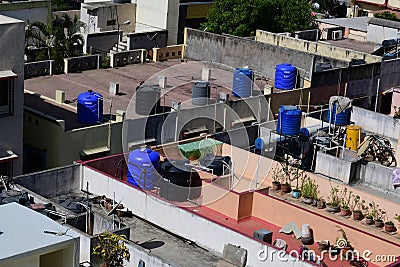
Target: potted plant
(308,190)
(333,200)
(315,197)
(297,174)
(286,172)
(112,250)
(389,227)
(276,179)
(345,198)
(358,207)
(379,216)
(344,244)
(369,219)
(321,203)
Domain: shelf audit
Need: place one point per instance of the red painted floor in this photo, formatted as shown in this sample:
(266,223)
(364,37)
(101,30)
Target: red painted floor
(248,225)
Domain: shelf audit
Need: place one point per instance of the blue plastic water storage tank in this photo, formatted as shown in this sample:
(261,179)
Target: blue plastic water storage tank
(289,120)
(143,167)
(340,119)
(242,82)
(90,107)
(285,76)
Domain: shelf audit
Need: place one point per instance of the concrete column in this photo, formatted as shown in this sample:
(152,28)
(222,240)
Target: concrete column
(98,61)
(142,56)
(51,67)
(112,65)
(65,65)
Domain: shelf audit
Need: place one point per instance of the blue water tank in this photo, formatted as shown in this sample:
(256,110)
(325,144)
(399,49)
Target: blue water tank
(143,167)
(285,76)
(289,120)
(340,119)
(90,107)
(242,82)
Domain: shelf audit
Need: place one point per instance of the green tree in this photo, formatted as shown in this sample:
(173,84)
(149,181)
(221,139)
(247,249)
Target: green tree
(112,249)
(387,15)
(61,38)
(243,17)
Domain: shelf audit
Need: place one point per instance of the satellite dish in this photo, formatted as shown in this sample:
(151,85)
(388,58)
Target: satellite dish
(114,208)
(259,143)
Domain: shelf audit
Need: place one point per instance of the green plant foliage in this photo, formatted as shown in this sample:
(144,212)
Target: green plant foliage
(334,198)
(61,39)
(309,188)
(112,250)
(387,15)
(243,17)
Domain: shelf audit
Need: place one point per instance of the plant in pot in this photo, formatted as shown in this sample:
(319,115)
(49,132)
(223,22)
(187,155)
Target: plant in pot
(286,170)
(308,190)
(369,218)
(276,178)
(397,217)
(321,203)
(344,244)
(379,216)
(315,197)
(333,200)
(345,198)
(297,173)
(112,250)
(389,227)
(358,207)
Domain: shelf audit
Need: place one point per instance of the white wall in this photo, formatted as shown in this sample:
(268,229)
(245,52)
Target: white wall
(159,14)
(377,34)
(12,47)
(210,235)
(32,261)
(98,23)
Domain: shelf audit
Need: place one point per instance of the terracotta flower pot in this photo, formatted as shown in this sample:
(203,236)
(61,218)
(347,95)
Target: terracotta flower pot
(369,221)
(286,188)
(321,204)
(358,216)
(390,228)
(276,186)
(332,208)
(345,212)
(379,224)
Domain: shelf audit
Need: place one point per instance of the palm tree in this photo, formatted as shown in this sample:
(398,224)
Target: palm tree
(68,33)
(38,34)
(60,37)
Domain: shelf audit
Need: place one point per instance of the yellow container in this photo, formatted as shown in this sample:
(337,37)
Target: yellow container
(353,137)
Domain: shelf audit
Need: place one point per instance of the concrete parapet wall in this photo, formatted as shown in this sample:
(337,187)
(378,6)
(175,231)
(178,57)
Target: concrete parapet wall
(76,64)
(54,182)
(335,167)
(377,123)
(314,47)
(118,59)
(39,68)
(238,52)
(160,212)
(169,52)
(379,177)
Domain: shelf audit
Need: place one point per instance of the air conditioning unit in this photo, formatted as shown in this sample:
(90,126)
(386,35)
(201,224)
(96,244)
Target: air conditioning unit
(337,35)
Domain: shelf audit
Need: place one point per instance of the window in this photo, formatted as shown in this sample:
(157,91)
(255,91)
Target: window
(111,22)
(6,97)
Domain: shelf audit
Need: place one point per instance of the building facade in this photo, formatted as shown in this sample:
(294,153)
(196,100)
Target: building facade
(11,94)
